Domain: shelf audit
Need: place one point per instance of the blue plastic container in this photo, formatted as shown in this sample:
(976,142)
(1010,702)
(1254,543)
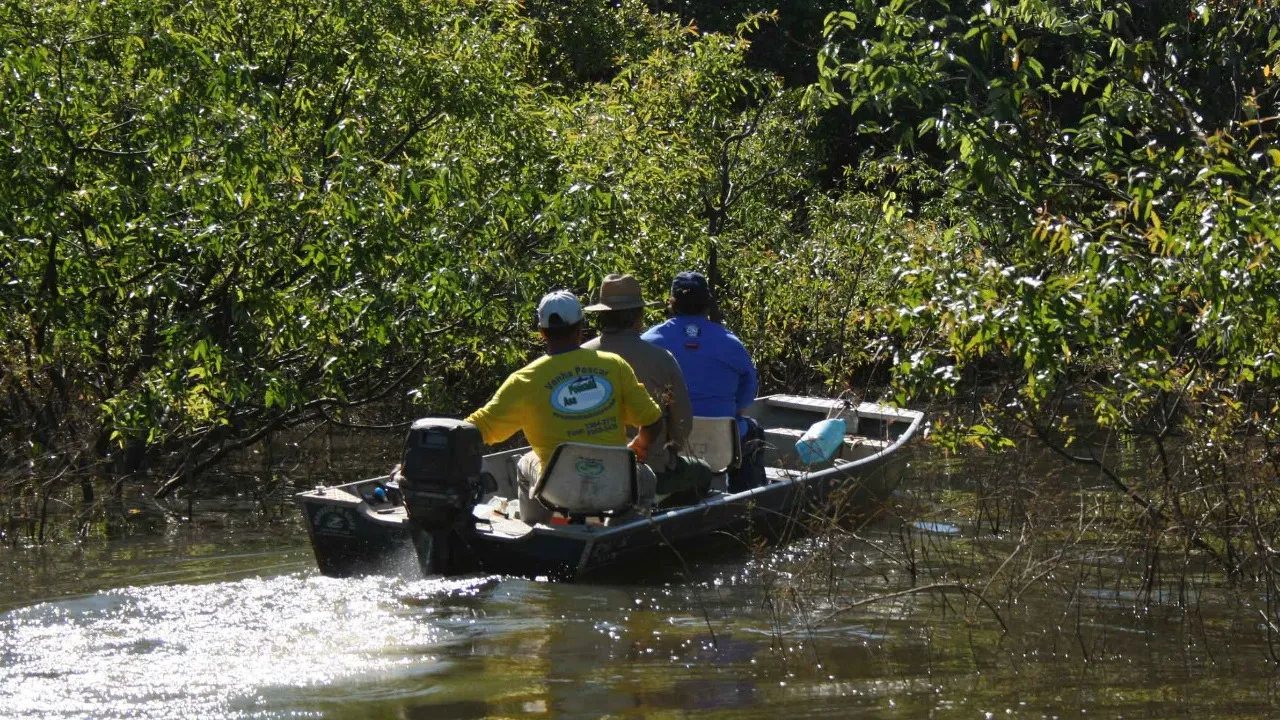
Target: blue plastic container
(820,441)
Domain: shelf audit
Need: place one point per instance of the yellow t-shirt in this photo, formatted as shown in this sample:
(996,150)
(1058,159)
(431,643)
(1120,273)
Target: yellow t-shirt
(581,395)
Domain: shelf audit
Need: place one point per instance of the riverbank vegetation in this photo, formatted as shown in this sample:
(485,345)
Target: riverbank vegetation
(230,223)
(1113,264)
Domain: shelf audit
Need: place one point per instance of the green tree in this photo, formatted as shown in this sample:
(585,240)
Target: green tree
(225,220)
(1112,167)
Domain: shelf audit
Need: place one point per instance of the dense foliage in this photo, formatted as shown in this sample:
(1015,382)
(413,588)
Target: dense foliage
(224,220)
(1111,172)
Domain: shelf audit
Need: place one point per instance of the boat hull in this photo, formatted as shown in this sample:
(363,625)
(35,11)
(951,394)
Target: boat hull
(352,534)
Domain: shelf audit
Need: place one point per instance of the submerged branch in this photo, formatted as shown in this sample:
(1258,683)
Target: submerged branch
(939,587)
(1152,511)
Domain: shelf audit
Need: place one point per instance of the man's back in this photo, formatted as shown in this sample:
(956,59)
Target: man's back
(660,373)
(580,395)
(717,369)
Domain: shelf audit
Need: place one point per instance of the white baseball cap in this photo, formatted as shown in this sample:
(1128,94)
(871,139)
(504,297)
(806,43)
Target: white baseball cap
(559,308)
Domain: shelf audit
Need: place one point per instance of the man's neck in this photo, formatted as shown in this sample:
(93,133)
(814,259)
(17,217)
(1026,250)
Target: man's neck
(555,347)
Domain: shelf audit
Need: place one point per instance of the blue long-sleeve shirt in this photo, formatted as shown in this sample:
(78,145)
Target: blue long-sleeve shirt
(717,369)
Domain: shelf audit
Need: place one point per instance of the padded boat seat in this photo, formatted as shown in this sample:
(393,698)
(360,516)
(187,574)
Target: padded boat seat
(582,479)
(715,441)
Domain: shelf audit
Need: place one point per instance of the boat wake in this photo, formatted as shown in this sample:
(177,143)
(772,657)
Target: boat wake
(229,649)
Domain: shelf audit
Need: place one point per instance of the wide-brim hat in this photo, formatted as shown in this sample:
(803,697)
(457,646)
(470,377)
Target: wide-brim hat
(619,292)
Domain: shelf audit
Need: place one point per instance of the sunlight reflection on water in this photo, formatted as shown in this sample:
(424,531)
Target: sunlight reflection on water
(249,629)
(193,650)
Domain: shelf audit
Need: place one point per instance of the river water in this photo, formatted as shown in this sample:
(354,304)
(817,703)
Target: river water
(227,618)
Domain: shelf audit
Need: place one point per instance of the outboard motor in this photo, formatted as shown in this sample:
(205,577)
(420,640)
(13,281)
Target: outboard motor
(440,482)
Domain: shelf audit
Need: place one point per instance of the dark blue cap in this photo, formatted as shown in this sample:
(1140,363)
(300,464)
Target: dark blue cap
(690,284)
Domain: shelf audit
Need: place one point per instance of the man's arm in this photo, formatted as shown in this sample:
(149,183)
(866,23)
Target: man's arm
(647,436)
(679,408)
(638,410)
(748,383)
(501,417)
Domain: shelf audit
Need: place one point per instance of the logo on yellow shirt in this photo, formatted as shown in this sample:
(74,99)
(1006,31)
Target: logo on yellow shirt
(581,394)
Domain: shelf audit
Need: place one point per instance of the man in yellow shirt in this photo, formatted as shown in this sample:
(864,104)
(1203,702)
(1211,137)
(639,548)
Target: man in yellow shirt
(570,394)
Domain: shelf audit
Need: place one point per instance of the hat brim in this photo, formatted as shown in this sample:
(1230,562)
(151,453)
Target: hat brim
(605,307)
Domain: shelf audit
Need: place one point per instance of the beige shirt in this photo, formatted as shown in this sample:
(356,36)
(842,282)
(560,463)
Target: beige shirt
(658,372)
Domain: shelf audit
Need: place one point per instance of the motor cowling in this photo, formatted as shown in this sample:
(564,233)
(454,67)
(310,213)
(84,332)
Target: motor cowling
(440,473)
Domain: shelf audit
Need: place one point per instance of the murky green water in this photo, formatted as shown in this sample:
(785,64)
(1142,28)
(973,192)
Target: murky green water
(229,619)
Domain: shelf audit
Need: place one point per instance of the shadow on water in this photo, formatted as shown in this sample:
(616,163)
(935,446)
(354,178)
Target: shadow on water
(229,619)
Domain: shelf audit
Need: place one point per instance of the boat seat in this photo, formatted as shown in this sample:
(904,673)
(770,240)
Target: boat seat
(513,472)
(582,480)
(715,441)
(775,474)
(781,446)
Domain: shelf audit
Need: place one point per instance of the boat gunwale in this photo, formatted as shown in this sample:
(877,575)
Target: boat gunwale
(591,532)
(840,467)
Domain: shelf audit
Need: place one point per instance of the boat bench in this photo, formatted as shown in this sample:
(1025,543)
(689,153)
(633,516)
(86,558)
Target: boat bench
(826,407)
(781,447)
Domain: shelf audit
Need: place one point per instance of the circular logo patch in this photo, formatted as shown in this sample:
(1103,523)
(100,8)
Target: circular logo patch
(692,330)
(590,467)
(333,521)
(581,394)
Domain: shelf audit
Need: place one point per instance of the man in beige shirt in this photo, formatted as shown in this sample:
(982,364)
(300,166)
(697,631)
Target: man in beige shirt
(621,320)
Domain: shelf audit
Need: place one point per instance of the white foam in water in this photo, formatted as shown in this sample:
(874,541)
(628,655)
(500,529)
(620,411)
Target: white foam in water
(207,650)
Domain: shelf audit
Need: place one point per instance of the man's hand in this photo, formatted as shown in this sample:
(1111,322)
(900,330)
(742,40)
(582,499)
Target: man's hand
(641,442)
(640,447)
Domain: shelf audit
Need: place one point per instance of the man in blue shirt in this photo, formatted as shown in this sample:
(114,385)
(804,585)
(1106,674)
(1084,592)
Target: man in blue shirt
(716,367)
